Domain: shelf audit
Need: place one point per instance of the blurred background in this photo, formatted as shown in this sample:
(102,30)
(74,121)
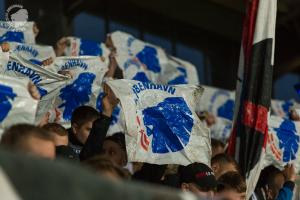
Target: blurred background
(205,32)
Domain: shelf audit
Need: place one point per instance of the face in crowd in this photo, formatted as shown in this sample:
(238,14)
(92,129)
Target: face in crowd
(82,122)
(199,179)
(223,163)
(114,148)
(231,186)
(29,139)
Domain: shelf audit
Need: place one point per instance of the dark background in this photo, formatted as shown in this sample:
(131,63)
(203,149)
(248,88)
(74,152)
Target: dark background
(204,32)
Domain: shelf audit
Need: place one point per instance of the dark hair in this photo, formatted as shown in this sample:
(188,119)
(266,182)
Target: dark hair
(102,163)
(267,177)
(14,136)
(217,143)
(223,158)
(118,138)
(56,128)
(84,114)
(231,181)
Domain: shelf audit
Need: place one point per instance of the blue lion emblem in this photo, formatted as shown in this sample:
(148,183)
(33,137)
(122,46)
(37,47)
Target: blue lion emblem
(181,79)
(90,48)
(226,110)
(6,93)
(288,140)
(76,94)
(12,36)
(148,56)
(141,76)
(170,124)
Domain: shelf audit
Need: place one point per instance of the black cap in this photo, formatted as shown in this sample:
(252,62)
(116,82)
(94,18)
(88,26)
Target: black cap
(199,174)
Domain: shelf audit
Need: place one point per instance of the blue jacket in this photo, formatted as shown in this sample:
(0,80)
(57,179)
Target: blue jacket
(286,192)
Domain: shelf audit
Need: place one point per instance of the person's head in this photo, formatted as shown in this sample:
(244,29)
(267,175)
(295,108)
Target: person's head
(114,147)
(270,181)
(223,163)
(60,134)
(217,147)
(231,186)
(105,167)
(82,122)
(29,139)
(197,178)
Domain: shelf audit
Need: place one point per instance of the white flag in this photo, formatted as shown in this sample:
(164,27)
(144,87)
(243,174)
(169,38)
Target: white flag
(17,32)
(161,124)
(16,104)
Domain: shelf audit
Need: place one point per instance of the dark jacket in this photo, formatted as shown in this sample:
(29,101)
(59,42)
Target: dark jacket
(93,145)
(74,144)
(66,152)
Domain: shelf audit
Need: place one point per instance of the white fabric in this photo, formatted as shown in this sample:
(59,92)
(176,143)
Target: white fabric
(81,47)
(48,82)
(139,59)
(17,32)
(161,124)
(85,88)
(281,108)
(283,143)
(16,104)
(179,71)
(214,99)
(32,53)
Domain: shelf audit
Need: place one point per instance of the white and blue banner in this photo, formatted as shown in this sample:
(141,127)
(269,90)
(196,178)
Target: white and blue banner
(16,104)
(139,60)
(178,72)
(33,53)
(282,108)
(145,62)
(221,130)
(162,126)
(82,47)
(47,82)
(85,87)
(21,32)
(219,102)
(283,143)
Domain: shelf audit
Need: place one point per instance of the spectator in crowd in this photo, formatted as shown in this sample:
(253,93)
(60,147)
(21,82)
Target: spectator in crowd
(95,133)
(81,125)
(231,186)
(105,167)
(29,139)
(223,163)
(217,147)
(114,147)
(61,140)
(274,184)
(199,179)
